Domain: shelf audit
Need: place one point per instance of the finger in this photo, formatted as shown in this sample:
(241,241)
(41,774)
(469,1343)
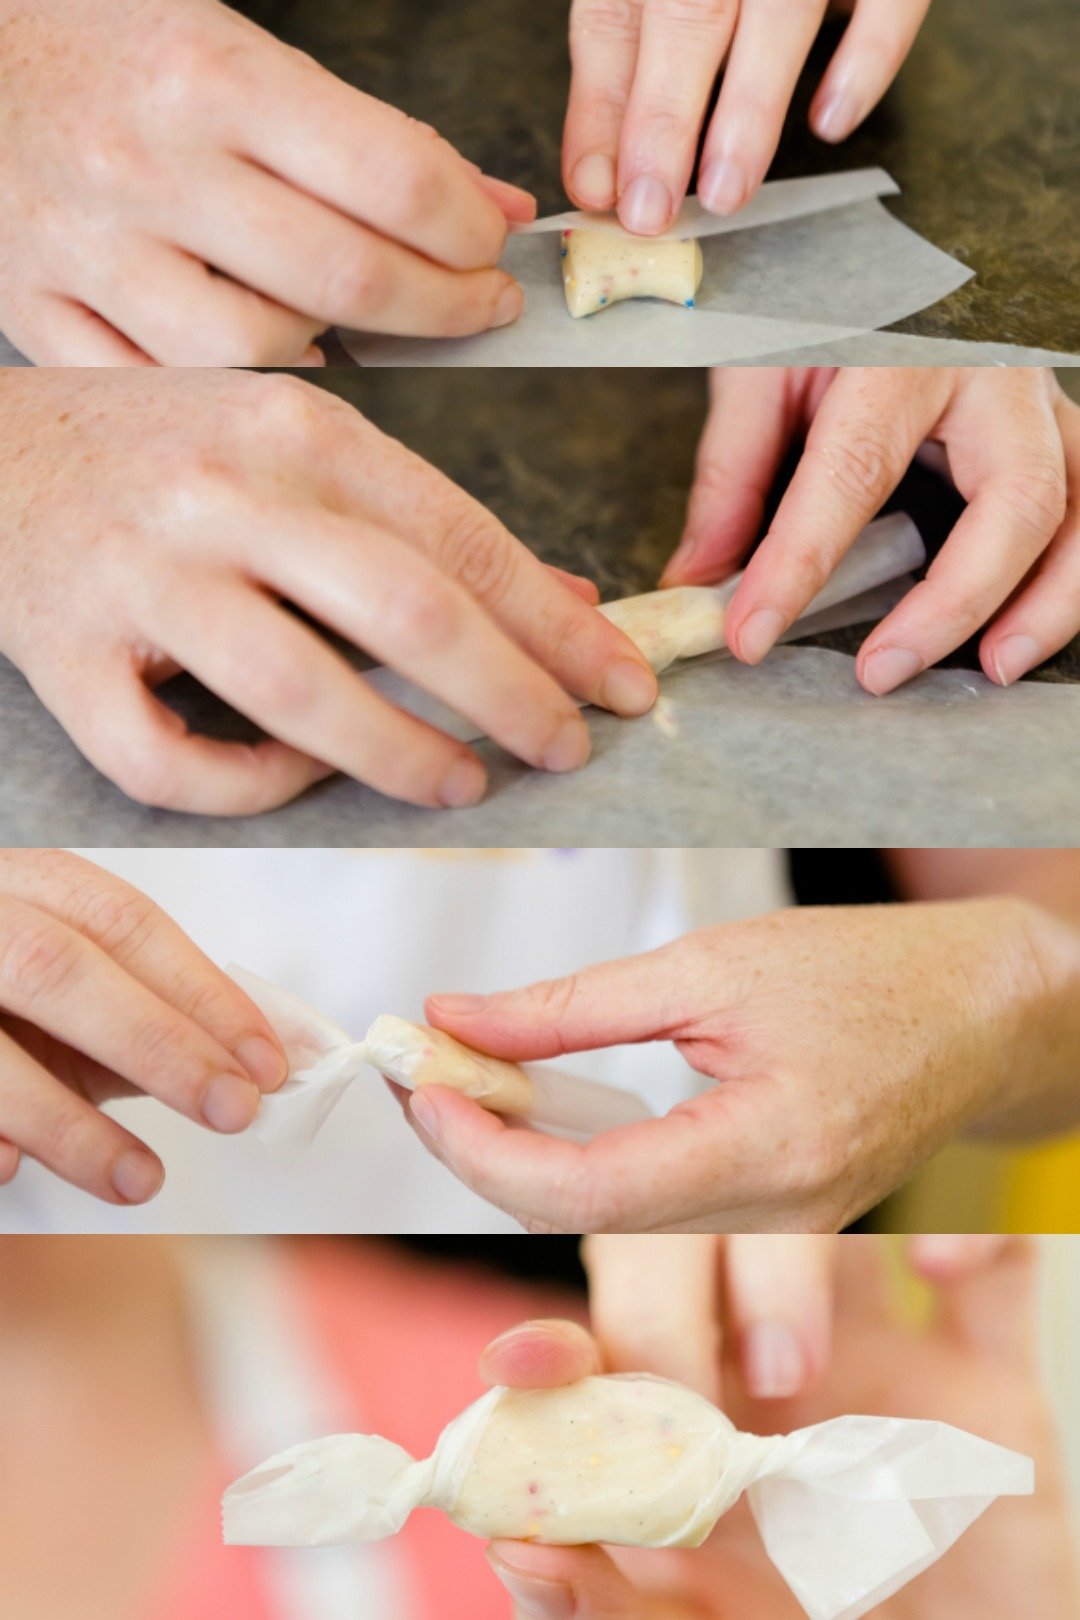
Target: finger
(556,1582)
(680,54)
(288,680)
(66,333)
(865,1281)
(1044,615)
(747,431)
(147,751)
(9,1162)
(654,1306)
(987,1292)
(584,652)
(636,1178)
(1011,470)
(637,998)
(64,1133)
(388,598)
(540,1355)
(603,55)
(370,163)
(768,54)
(305,256)
(870,55)
(780,1295)
(67,986)
(146,943)
(861,441)
(584,588)
(182,313)
(515,204)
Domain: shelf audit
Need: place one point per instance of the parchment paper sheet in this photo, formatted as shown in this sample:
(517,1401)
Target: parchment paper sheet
(809,262)
(790,753)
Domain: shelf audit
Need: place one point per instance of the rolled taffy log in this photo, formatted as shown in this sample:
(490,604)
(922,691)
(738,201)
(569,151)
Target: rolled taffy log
(601,268)
(690,620)
(324,1060)
(849,1510)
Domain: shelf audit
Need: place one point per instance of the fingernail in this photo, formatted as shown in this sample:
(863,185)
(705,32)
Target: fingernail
(759,634)
(265,1062)
(458,1006)
(722,185)
(629,688)
(547,1600)
(775,1365)
(230,1103)
(646,206)
(510,304)
(137,1176)
(889,668)
(1013,657)
(593,181)
(680,559)
(424,1114)
(463,784)
(939,1249)
(836,117)
(571,747)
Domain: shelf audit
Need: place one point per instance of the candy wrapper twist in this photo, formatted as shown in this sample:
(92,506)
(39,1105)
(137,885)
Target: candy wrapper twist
(849,1510)
(324,1060)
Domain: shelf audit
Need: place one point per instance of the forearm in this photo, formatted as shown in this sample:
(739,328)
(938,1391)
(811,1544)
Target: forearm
(1048,877)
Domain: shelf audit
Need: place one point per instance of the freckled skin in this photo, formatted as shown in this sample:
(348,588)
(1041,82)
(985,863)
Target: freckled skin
(847,1045)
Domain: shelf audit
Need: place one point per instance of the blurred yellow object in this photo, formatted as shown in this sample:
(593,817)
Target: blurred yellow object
(973,1187)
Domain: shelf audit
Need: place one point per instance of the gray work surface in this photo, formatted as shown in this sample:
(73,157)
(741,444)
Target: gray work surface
(591,469)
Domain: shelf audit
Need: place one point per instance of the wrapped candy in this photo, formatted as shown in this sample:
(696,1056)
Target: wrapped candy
(600,268)
(849,1510)
(688,621)
(324,1060)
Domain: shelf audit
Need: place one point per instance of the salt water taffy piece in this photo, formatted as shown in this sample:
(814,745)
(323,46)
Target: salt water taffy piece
(849,1510)
(600,268)
(324,1060)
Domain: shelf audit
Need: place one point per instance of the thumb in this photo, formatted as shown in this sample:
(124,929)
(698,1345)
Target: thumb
(987,1291)
(636,998)
(557,1583)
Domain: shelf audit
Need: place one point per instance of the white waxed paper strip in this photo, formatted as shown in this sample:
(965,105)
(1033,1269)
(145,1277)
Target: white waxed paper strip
(849,1510)
(808,261)
(687,623)
(324,1060)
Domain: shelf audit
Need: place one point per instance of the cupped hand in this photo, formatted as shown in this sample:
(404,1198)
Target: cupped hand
(150,524)
(180,187)
(643,77)
(845,1046)
(974,1364)
(102,996)
(1010,440)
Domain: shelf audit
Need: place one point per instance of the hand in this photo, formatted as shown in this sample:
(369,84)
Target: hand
(180,187)
(976,1366)
(643,75)
(1011,441)
(101,996)
(148,525)
(849,1044)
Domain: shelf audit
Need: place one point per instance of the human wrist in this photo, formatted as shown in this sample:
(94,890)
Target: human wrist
(1036,1006)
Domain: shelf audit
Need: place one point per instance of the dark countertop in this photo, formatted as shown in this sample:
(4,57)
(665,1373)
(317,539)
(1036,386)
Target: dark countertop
(981,131)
